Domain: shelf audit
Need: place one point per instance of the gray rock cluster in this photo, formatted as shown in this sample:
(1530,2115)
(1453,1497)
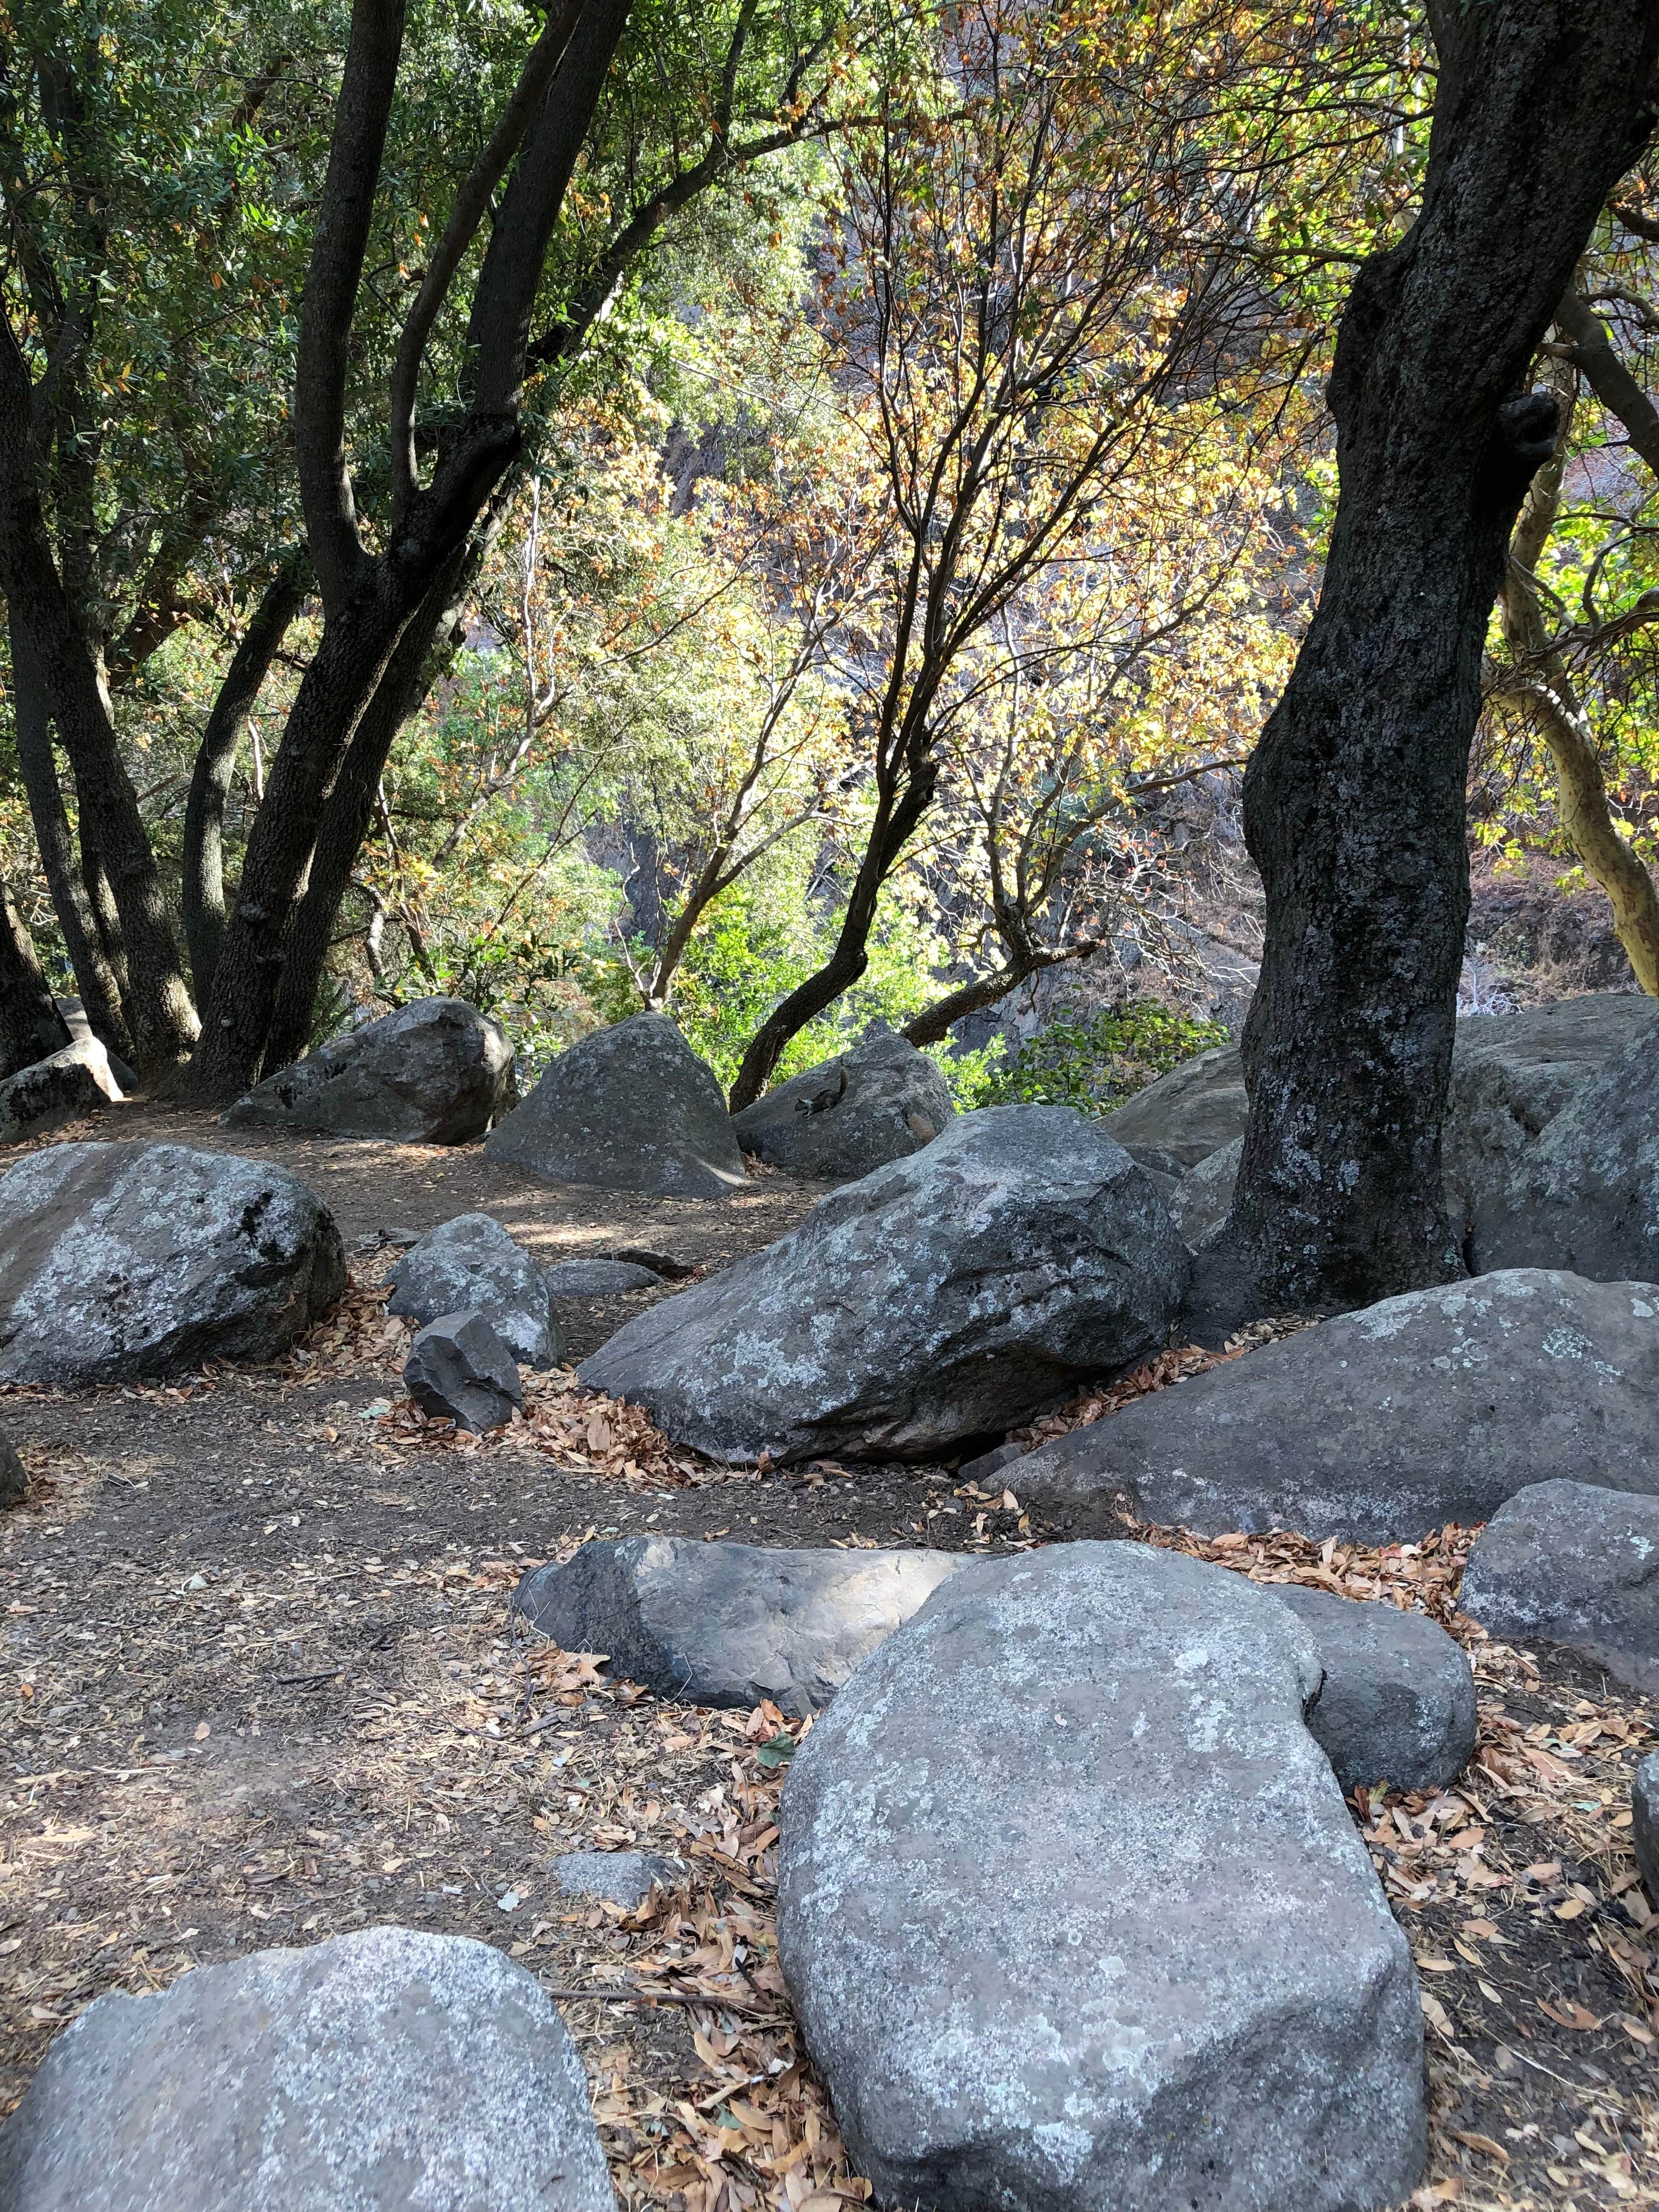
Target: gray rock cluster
(1397,1703)
(1072,1913)
(943,1296)
(123,1260)
(459,1369)
(630,1107)
(61,1088)
(1384,1424)
(435,1072)
(729,1624)
(371,2073)
(471,1265)
(1571,1563)
(882,1101)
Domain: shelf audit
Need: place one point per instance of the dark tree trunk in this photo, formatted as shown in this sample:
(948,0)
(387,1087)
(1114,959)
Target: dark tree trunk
(94,978)
(162,1018)
(31,1027)
(1354,801)
(204,880)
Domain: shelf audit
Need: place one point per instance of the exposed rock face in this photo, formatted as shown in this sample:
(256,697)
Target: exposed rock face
(460,1370)
(730,1624)
(119,1262)
(598,1278)
(1645,1806)
(1190,1113)
(1585,1194)
(1571,1563)
(630,1107)
(1398,1701)
(14,1476)
(373,2072)
(624,1878)
(942,1296)
(471,1265)
(882,1101)
(1384,1424)
(436,1071)
(1074,1917)
(56,1090)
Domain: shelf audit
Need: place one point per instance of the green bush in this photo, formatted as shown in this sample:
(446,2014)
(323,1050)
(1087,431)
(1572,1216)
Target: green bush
(1098,1063)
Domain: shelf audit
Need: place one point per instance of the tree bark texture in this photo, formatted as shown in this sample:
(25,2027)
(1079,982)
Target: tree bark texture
(1354,799)
(31,1027)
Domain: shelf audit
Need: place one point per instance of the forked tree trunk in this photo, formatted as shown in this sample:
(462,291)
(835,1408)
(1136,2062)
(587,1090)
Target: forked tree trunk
(1354,801)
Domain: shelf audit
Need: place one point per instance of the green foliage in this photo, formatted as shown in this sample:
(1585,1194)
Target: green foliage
(1098,1063)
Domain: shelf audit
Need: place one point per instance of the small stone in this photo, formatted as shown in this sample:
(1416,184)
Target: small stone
(598,1278)
(989,1465)
(1571,1563)
(373,2072)
(471,1265)
(1644,1809)
(14,1476)
(1398,1701)
(623,1878)
(459,1369)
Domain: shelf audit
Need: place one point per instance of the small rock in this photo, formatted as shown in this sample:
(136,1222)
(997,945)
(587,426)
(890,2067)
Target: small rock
(729,1624)
(630,1107)
(1644,1808)
(1383,1425)
(14,1475)
(598,1278)
(660,1263)
(59,1089)
(949,1295)
(1571,1563)
(1398,1702)
(882,1101)
(624,1878)
(471,1265)
(435,1072)
(1073,1916)
(372,2073)
(1204,1196)
(989,1465)
(459,1369)
(123,1263)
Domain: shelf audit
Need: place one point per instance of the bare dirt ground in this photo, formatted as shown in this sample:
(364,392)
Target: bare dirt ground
(259,1686)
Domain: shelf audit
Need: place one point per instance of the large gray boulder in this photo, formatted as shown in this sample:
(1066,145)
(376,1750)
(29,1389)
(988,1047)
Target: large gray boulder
(59,1089)
(376,2072)
(1073,1916)
(1585,1193)
(1190,1113)
(1379,1425)
(882,1101)
(729,1624)
(941,1296)
(122,1261)
(435,1072)
(1398,1700)
(459,1369)
(1574,1563)
(1644,1808)
(471,1264)
(630,1107)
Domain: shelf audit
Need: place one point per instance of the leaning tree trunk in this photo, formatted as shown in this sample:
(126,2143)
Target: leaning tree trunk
(31,1026)
(1354,801)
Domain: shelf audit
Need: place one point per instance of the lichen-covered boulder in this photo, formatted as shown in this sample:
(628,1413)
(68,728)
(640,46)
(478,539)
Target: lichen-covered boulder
(435,1072)
(1382,1425)
(125,1261)
(1073,1916)
(1571,1563)
(60,1088)
(471,1265)
(942,1296)
(630,1107)
(881,1101)
(375,2072)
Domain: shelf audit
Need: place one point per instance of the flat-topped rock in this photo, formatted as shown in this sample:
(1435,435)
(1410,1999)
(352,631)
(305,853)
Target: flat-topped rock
(471,1265)
(1073,1916)
(881,1101)
(598,1278)
(1384,1424)
(943,1296)
(623,1878)
(729,1624)
(376,2072)
(435,1072)
(1572,1564)
(129,1261)
(630,1107)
